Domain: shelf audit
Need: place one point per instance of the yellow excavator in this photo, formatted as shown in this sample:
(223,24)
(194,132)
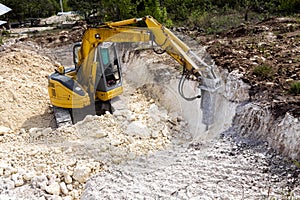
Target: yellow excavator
(96,79)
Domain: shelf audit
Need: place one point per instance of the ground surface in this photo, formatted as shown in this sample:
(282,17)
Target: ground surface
(268,56)
(39,162)
(219,169)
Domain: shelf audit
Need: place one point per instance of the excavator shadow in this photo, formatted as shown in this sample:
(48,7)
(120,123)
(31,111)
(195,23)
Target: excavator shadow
(43,120)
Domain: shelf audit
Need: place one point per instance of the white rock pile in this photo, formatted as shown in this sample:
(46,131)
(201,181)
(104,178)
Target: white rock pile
(55,164)
(38,161)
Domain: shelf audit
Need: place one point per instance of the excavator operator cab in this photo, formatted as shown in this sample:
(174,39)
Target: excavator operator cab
(110,69)
(108,79)
(108,73)
(76,49)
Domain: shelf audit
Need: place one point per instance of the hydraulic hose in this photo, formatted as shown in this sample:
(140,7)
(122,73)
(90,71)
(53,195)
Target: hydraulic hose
(180,87)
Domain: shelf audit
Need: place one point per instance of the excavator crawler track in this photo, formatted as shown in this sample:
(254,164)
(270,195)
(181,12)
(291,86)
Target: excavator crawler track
(62,116)
(65,116)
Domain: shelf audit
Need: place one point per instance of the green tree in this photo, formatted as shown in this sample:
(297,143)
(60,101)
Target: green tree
(89,9)
(154,8)
(119,9)
(289,6)
(113,10)
(30,8)
(181,10)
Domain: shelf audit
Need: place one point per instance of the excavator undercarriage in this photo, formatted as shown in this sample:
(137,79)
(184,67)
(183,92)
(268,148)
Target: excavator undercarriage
(68,116)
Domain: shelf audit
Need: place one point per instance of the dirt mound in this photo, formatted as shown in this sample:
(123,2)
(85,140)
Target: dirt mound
(38,161)
(24,96)
(58,38)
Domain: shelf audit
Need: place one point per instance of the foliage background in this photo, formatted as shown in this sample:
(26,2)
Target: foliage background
(209,14)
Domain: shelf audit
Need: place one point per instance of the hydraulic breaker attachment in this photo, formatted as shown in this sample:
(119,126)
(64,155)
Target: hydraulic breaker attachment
(210,85)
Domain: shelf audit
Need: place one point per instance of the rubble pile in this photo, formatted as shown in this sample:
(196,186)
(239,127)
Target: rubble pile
(24,96)
(39,161)
(59,162)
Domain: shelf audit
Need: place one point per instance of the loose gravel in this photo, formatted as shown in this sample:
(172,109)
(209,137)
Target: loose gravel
(217,169)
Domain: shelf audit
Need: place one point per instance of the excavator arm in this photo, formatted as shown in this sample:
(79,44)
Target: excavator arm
(163,37)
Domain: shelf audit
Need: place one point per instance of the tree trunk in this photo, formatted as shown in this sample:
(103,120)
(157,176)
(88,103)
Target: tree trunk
(246,14)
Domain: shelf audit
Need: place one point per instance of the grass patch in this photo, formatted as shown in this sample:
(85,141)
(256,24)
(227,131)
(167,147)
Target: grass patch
(295,88)
(296,162)
(3,34)
(263,72)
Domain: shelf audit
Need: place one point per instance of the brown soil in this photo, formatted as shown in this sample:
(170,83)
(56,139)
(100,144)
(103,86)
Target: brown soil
(60,39)
(57,37)
(268,56)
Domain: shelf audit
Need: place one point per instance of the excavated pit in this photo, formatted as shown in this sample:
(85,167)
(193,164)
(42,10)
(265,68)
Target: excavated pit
(160,82)
(172,174)
(255,121)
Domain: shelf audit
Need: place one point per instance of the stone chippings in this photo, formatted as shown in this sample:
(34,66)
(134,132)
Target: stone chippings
(218,169)
(40,162)
(46,163)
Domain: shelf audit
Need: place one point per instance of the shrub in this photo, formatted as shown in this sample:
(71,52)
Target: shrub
(263,72)
(295,88)
(289,6)
(5,33)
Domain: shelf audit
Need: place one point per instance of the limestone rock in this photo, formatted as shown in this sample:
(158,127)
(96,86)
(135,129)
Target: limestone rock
(10,184)
(35,132)
(70,162)
(67,178)
(154,134)
(67,198)
(63,188)
(70,187)
(47,131)
(139,129)
(53,188)
(100,134)
(4,130)
(28,176)
(75,194)
(18,180)
(4,164)
(40,167)
(54,197)
(40,182)
(81,173)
